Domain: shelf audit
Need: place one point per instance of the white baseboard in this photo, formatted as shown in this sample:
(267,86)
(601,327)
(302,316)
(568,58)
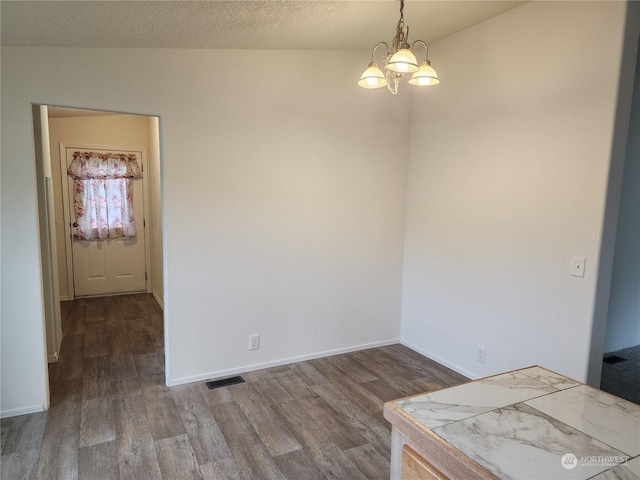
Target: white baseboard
(441,361)
(158,299)
(16,412)
(276,363)
(53,358)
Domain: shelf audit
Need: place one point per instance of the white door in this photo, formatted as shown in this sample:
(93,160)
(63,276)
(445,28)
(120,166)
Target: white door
(113,265)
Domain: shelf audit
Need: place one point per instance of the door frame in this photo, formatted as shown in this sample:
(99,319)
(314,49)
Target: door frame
(66,197)
(48,247)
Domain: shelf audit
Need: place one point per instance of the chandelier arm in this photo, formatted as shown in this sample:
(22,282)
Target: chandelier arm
(426,47)
(386,53)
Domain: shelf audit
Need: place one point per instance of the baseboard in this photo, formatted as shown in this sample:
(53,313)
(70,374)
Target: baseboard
(65,298)
(16,412)
(158,299)
(276,363)
(53,358)
(441,361)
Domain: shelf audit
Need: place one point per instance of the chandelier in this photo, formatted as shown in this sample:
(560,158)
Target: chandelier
(398,61)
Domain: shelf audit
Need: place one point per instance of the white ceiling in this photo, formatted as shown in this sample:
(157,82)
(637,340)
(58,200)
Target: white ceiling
(246,24)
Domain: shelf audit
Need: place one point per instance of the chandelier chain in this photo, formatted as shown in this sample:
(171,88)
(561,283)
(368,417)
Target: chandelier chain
(399,38)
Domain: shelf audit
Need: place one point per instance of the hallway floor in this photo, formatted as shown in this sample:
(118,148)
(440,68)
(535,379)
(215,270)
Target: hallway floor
(623,378)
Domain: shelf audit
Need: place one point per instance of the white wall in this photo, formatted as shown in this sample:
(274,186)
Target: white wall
(623,327)
(507,181)
(283,201)
(23,354)
(107,131)
(155,194)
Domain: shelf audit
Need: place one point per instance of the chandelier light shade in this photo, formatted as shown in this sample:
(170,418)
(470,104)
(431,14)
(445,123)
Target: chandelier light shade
(399,60)
(372,77)
(403,61)
(425,76)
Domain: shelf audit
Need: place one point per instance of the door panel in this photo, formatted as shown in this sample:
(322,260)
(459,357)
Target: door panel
(96,263)
(113,265)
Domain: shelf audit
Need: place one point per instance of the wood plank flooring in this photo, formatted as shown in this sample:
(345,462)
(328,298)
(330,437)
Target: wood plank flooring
(112,417)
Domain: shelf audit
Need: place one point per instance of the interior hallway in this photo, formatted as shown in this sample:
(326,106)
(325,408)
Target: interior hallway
(622,378)
(112,417)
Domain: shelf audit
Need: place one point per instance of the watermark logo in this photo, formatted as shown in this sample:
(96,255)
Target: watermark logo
(569,461)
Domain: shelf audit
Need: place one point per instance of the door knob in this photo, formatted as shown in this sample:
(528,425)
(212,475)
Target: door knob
(75,224)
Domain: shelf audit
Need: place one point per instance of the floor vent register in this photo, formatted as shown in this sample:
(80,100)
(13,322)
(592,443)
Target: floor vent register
(224,382)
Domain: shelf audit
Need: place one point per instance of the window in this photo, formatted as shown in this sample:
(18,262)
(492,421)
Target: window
(103,194)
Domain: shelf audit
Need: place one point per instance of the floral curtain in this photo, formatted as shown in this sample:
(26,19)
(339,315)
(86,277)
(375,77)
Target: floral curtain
(103,194)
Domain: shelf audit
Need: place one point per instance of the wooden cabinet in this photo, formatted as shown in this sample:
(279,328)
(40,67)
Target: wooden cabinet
(415,467)
(419,454)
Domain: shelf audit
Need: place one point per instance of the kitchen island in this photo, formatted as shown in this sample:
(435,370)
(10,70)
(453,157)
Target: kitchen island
(531,424)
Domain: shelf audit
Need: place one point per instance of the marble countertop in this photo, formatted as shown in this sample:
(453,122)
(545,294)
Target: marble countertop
(534,424)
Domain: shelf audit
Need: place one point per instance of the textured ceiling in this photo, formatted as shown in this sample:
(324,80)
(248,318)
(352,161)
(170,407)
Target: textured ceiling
(247,24)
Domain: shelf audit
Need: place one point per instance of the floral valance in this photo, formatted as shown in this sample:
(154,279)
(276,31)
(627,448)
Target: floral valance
(86,165)
(103,194)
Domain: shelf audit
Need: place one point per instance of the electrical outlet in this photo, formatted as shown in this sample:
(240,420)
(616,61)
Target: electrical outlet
(481,354)
(254,342)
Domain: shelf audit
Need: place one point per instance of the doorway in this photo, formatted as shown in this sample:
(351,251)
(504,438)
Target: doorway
(107,131)
(109,251)
(615,349)
(621,361)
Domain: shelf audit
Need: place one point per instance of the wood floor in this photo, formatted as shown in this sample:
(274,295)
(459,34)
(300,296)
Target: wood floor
(112,417)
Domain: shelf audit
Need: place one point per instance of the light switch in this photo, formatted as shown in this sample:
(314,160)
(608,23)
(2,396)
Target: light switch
(577,266)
